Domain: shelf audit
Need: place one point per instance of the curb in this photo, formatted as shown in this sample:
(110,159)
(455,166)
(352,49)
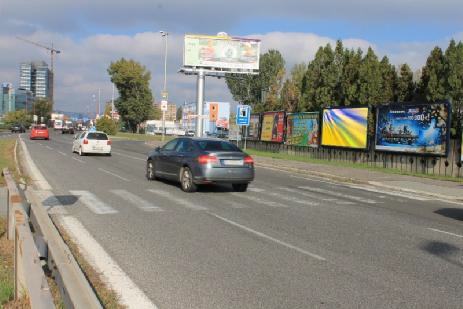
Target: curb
(342,179)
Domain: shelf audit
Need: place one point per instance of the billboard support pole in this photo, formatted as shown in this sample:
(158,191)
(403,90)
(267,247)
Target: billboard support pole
(245,136)
(199,102)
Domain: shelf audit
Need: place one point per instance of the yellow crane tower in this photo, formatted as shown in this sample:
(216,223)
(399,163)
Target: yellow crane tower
(53,51)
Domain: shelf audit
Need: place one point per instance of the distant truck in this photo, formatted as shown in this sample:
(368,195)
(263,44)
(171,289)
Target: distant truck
(58,124)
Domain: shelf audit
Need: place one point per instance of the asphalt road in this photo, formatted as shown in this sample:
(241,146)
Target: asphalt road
(289,242)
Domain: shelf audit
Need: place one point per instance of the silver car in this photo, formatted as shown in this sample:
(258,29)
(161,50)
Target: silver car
(196,161)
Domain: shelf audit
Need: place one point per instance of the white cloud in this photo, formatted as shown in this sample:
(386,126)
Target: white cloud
(81,67)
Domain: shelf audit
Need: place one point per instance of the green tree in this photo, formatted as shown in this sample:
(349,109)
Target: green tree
(370,80)
(132,82)
(260,91)
(42,108)
(179,114)
(405,84)
(453,66)
(291,93)
(350,76)
(388,81)
(20,116)
(433,81)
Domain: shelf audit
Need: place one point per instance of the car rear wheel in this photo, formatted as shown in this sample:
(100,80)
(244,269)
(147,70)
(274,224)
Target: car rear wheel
(186,180)
(81,153)
(240,187)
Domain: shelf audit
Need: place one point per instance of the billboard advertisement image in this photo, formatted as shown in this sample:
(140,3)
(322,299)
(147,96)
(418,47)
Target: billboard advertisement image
(273,127)
(345,127)
(254,127)
(302,129)
(221,52)
(417,128)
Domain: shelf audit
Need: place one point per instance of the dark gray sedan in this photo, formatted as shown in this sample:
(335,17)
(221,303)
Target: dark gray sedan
(196,161)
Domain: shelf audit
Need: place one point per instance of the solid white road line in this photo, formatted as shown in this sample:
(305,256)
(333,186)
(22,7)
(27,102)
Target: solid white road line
(127,156)
(258,200)
(136,200)
(444,232)
(93,202)
(78,160)
(292,199)
(129,293)
(262,235)
(113,174)
(34,173)
(180,201)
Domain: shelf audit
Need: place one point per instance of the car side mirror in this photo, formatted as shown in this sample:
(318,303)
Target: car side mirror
(157,149)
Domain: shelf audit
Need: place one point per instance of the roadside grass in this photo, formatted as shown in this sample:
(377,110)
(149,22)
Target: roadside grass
(107,296)
(299,158)
(6,266)
(7,157)
(139,137)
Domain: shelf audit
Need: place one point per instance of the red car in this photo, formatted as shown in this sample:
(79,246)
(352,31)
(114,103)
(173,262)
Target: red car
(39,131)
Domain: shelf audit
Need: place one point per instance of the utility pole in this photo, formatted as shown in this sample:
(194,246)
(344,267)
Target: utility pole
(164,96)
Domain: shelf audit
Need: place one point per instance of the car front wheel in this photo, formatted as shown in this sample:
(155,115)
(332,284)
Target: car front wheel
(240,187)
(150,174)
(186,180)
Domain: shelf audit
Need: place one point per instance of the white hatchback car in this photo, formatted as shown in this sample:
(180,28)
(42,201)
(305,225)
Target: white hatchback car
(91,142)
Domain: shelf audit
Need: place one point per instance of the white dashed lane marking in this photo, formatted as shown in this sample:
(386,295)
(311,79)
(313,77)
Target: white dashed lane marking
(92,202)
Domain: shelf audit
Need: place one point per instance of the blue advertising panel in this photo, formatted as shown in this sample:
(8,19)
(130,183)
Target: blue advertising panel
(414,128)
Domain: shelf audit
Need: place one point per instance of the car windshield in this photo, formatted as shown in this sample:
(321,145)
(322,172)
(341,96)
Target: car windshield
(216,146)
(97,136)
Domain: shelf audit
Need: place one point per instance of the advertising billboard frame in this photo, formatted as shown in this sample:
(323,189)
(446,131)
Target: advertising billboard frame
(319,119)
(403,105)
(236,64)
(262,126)
(367,144)
(259,127)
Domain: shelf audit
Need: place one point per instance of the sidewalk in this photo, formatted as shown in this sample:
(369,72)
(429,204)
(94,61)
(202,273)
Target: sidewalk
(441,189)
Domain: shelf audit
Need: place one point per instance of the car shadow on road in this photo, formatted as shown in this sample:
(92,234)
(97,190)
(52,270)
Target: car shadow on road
(453,213)
(60,200)
(212,188)
(445,251)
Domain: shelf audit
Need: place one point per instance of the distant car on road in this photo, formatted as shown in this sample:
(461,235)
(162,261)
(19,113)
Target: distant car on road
(196,161)
(39,131)
(96,142)
(18,128)
(190,133)
(68,128)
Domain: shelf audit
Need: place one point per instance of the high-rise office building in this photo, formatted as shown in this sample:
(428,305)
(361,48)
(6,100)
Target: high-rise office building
(36,77)
(24,100)
(7,98)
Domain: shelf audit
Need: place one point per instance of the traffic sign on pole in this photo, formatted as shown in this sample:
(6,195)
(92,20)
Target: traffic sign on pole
(164,105)
(243,115)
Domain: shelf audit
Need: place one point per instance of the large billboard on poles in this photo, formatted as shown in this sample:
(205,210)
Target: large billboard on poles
(225,53)
(253,130)
(413,128)
(302,129)
(273,127)
(345,127)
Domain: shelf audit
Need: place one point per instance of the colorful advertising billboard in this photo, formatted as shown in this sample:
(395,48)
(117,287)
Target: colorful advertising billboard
(414,128)
(345,127)
(221,52)
(273,127)
(254,127)
(302,129)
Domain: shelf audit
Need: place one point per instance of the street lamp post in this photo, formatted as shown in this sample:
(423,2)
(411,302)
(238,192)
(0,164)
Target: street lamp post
(164,96)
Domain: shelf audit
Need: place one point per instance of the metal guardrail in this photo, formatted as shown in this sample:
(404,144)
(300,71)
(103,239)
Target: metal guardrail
(30,278)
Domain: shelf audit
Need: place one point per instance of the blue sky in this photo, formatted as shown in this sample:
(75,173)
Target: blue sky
(92,33)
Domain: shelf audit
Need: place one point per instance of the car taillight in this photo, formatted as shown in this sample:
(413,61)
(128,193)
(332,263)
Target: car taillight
(85,141)
(109,142)
(248,160)
(205,159)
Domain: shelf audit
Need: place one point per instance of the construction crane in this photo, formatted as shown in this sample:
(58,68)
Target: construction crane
(52,50)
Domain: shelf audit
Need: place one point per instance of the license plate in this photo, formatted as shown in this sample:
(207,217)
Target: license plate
(97,148)
(233,162)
